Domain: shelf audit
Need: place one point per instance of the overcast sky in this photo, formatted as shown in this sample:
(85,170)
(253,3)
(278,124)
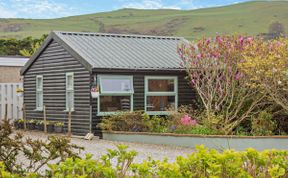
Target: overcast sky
(61,8)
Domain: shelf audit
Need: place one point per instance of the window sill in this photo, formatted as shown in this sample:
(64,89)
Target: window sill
(69,111)
(159,112)
(38,109)
(111,113)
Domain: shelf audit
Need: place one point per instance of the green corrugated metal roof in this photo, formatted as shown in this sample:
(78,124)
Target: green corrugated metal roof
(115,51)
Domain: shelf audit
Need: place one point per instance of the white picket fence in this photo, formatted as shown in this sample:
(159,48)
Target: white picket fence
(14,103)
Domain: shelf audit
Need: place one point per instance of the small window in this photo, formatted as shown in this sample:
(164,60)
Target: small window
(117,84)
(39,92)
(116,94)
(69,92)
(160,94)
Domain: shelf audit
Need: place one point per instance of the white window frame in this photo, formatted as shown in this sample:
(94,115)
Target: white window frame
(120,93)
(39,91)
(161,93)
(70,90)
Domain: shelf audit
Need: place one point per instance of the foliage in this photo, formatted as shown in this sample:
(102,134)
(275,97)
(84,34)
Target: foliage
(141,122)
(40,153)
(263,124)
(203,162)
(265,64)
(210,163)
(96,168)
(59,124)
(197,130)
(212,69)
(30,51)
(25,47)
(126,121)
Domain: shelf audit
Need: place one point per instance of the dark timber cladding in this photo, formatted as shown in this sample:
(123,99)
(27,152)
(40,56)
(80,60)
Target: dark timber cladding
(53,63)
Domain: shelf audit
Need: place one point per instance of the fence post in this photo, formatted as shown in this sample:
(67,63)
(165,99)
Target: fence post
(24,117)
(69,123)
(45,119)
(6,112)
(90,129)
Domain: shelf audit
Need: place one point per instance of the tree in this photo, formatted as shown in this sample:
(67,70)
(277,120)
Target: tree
(34,46)
(14,46)
(29,52)
(276,29)
(266,65)
(212,68)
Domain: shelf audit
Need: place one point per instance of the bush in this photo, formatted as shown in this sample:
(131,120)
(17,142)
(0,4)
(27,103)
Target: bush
(203,163)
(179,122)
(263,124)
(40,153)
(126,121)
(198,130)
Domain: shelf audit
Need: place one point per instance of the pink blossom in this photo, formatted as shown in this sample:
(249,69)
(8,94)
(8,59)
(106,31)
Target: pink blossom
(241,39)
(238,76)
(193,81)
(249,39)
(187,120)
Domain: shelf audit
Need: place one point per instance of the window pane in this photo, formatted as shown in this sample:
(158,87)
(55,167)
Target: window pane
(39,83)
(70,100)
(39,99)
(116,85)
(160,85)
(114,103)
(70,81)
(160,103)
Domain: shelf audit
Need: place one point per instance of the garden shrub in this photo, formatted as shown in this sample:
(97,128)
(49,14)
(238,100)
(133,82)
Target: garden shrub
(197,130)
(40,153)
(263,124)
(212,67)
(126,121)
(203,162)
(178,122)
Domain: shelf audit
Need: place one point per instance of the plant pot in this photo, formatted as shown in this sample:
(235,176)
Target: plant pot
(17,125)
(39,127)
(50,128)
(94,94)
(19,94)
(58,129)
(31,126)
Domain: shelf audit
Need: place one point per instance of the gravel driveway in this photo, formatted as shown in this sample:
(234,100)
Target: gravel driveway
(98,147)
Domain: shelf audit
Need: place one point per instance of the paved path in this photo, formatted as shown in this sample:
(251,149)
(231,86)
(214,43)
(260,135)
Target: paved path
(98,147)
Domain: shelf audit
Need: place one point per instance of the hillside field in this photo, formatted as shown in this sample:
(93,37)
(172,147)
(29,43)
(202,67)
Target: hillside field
(250,18)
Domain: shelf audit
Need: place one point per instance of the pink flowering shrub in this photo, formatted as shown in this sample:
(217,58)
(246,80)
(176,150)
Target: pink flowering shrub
(187,120)
(212,67)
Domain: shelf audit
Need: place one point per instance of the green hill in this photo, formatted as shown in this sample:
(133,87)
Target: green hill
(249,18)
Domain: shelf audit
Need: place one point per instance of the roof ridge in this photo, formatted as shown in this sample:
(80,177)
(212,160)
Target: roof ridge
(118,35)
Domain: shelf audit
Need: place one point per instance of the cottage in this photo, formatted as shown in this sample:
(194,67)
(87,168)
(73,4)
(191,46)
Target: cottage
(132,72)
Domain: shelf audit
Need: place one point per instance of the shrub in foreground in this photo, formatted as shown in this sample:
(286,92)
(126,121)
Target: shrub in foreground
(204,163)
(15,150)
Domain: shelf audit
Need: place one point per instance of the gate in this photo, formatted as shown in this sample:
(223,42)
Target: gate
(10,103)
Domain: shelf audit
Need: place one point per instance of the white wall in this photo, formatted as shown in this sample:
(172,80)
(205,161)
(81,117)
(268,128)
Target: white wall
(14,103)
